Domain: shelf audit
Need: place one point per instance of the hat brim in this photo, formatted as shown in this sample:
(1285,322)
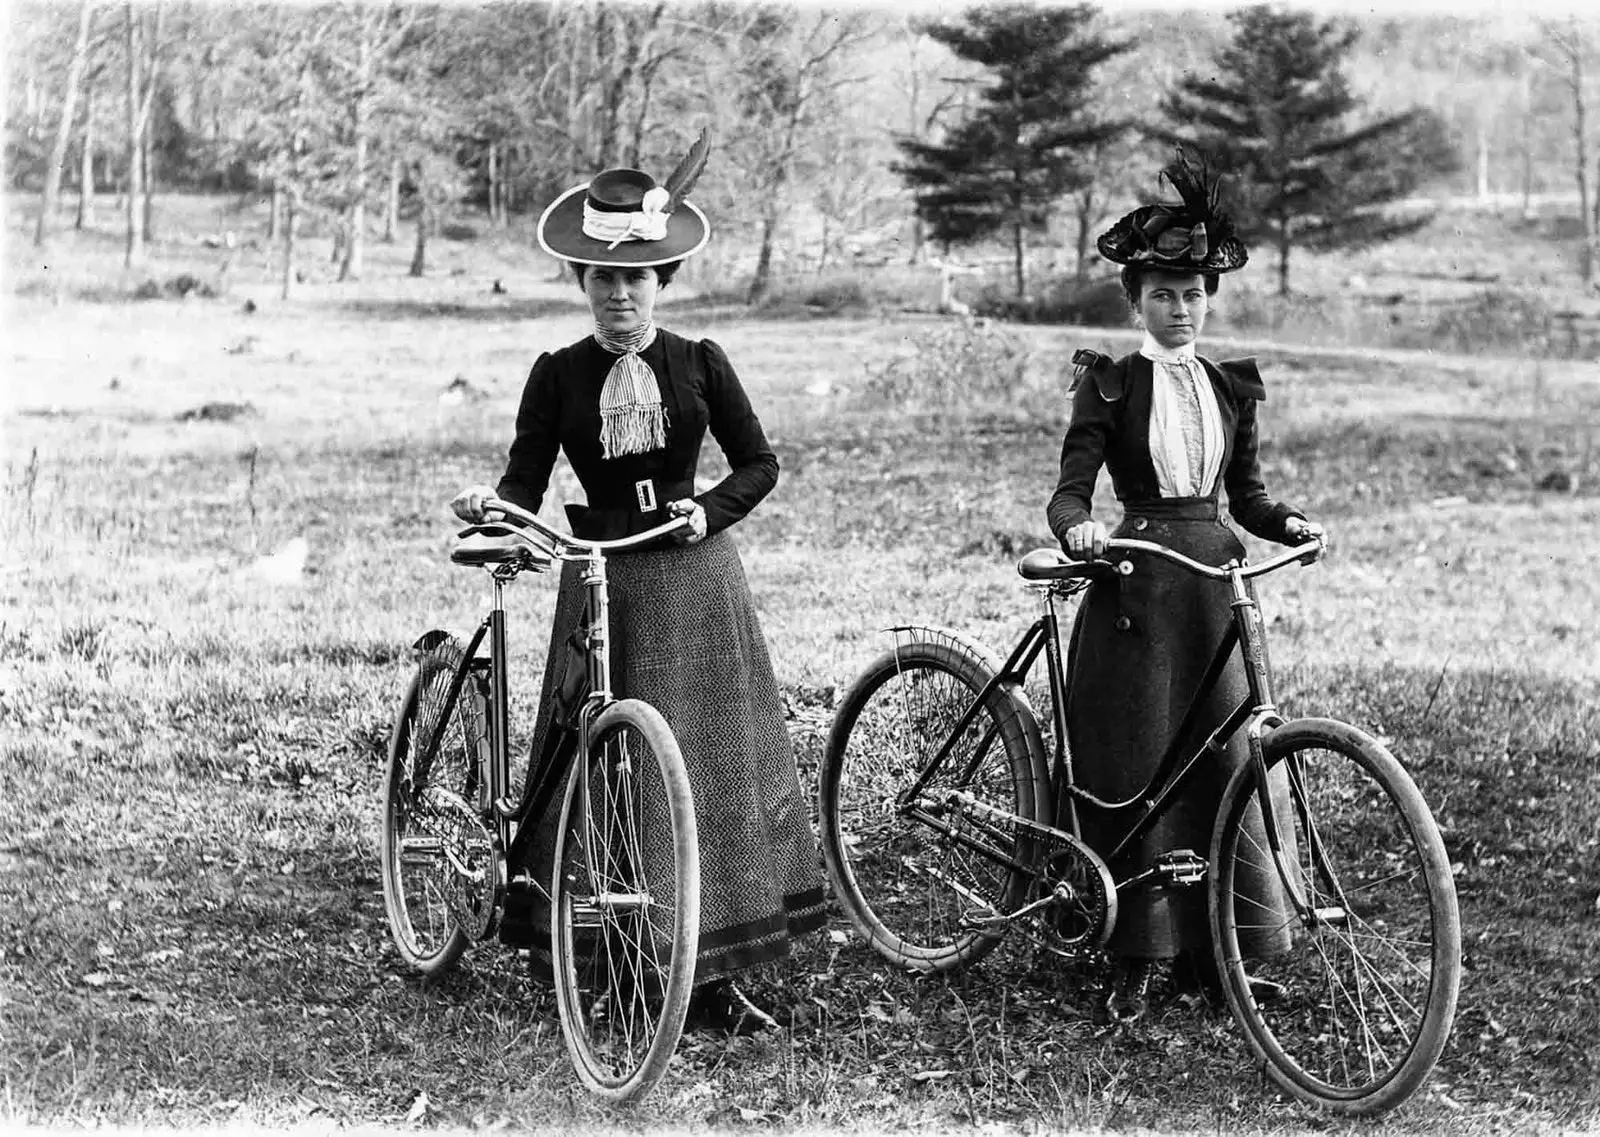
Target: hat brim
(1125,244)
(561,234)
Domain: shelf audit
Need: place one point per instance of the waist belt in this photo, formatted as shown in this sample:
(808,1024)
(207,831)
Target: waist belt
(626,510)
(1173,509)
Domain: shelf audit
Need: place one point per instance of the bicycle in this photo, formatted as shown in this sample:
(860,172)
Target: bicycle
(938,812)
(624,893)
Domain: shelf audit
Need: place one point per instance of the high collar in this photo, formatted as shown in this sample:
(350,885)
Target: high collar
(1154,352)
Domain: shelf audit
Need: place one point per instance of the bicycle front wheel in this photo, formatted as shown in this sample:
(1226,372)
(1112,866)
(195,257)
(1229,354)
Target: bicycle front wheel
(923,877)
(1365,968)
(627,903)
(434,858)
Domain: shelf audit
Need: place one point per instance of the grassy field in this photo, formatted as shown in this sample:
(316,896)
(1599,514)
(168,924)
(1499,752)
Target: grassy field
(191,926)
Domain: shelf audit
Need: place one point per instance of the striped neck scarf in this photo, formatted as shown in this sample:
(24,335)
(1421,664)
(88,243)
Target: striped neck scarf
(632,419)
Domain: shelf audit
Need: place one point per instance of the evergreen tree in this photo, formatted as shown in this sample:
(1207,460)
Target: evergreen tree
(1021,149)
(1276,117)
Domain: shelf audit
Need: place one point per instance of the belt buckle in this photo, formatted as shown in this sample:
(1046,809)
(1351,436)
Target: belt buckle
(645,491)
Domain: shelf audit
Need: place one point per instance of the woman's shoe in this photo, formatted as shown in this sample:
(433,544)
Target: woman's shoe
(721,1006)
(1266,990)
(1129,999)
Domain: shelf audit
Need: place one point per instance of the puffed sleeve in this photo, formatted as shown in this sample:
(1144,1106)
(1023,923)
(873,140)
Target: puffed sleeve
(1083,452)
(1247,494)
(538,439)
(753,465)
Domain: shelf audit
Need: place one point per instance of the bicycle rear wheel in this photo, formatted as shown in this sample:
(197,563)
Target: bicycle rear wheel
(438,863)
(1370,966)
(627,903)
(920,877)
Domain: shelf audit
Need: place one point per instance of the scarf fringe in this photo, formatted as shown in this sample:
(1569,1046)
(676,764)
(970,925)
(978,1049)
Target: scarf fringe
(632,429)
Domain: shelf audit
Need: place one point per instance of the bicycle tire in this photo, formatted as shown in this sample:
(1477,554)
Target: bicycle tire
(424,794)
(892,871)
(1371,981)
(626,893)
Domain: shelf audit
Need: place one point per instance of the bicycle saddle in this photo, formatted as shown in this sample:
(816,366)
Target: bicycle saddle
(1053,564)
(495,549)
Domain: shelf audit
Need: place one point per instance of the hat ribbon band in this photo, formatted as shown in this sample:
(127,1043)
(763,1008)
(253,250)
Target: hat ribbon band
(646,224)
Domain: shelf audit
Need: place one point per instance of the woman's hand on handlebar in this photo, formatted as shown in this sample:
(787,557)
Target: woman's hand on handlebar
(696,513)
(470,504)
(1085,541)
(1299,531)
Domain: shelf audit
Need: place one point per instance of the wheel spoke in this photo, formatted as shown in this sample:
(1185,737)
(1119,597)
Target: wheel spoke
(627,906)
(915,874)
(1367,1010)
(435,864)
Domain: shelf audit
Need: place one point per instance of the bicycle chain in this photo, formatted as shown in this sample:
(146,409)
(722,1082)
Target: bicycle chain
(473,872)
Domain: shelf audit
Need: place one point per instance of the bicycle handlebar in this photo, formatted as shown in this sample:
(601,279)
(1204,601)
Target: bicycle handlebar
(561,545)
(1307,553)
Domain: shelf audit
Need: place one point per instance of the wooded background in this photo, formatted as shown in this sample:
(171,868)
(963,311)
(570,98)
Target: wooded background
(389,121)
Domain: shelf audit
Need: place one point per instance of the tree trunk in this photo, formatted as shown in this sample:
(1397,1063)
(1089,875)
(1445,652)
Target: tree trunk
(494,183)
(1591,262)
(1085,227)
(86,168)
(275,212)
(508,183)
(1018,251)
(356,226)
(291,218)
(1285,240)
(391,204)
(135,240)
(147,207)
(58,150)
(419,251)
(761,281)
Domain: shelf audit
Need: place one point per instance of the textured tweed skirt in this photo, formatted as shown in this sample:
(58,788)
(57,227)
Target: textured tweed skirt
(1140,646)
(686,640)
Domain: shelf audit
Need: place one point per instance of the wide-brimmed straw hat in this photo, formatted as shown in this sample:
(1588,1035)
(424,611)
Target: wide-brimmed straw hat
(622,217)
(1192,235)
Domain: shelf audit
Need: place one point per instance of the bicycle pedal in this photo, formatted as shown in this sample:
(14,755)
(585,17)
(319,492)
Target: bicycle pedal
(1180,867)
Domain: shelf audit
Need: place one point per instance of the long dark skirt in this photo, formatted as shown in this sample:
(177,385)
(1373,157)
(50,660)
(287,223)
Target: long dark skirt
(1140,646)
(686,640)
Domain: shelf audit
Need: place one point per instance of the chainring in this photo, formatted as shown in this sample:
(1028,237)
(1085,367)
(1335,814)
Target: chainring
(472,868)
(1083,895)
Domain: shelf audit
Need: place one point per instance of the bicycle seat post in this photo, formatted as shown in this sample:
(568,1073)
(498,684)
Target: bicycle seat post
(499,687)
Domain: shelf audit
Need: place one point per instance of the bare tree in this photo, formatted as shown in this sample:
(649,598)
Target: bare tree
(143,44)
(1569,49)
(789,76)
(69,104)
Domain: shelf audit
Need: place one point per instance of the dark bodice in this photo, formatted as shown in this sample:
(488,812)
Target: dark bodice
(1111,427)
(560,411)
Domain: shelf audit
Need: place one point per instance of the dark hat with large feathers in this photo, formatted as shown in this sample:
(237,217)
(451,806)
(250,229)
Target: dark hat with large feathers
(1191,235)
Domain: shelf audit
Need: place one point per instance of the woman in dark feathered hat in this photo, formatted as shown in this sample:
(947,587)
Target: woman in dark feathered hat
(630,406)
(1175,430)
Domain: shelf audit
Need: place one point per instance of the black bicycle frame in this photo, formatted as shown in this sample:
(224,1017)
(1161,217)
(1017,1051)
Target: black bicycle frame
(1173,770)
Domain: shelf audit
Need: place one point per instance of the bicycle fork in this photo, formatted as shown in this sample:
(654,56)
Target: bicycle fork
(1265,717)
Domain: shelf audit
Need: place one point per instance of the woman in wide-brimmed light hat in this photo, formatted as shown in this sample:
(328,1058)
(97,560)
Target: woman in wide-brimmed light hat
(630,406)
(1175,430)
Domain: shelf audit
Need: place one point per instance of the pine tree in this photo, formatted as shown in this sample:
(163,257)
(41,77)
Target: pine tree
(1019,151)
(1276,118)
